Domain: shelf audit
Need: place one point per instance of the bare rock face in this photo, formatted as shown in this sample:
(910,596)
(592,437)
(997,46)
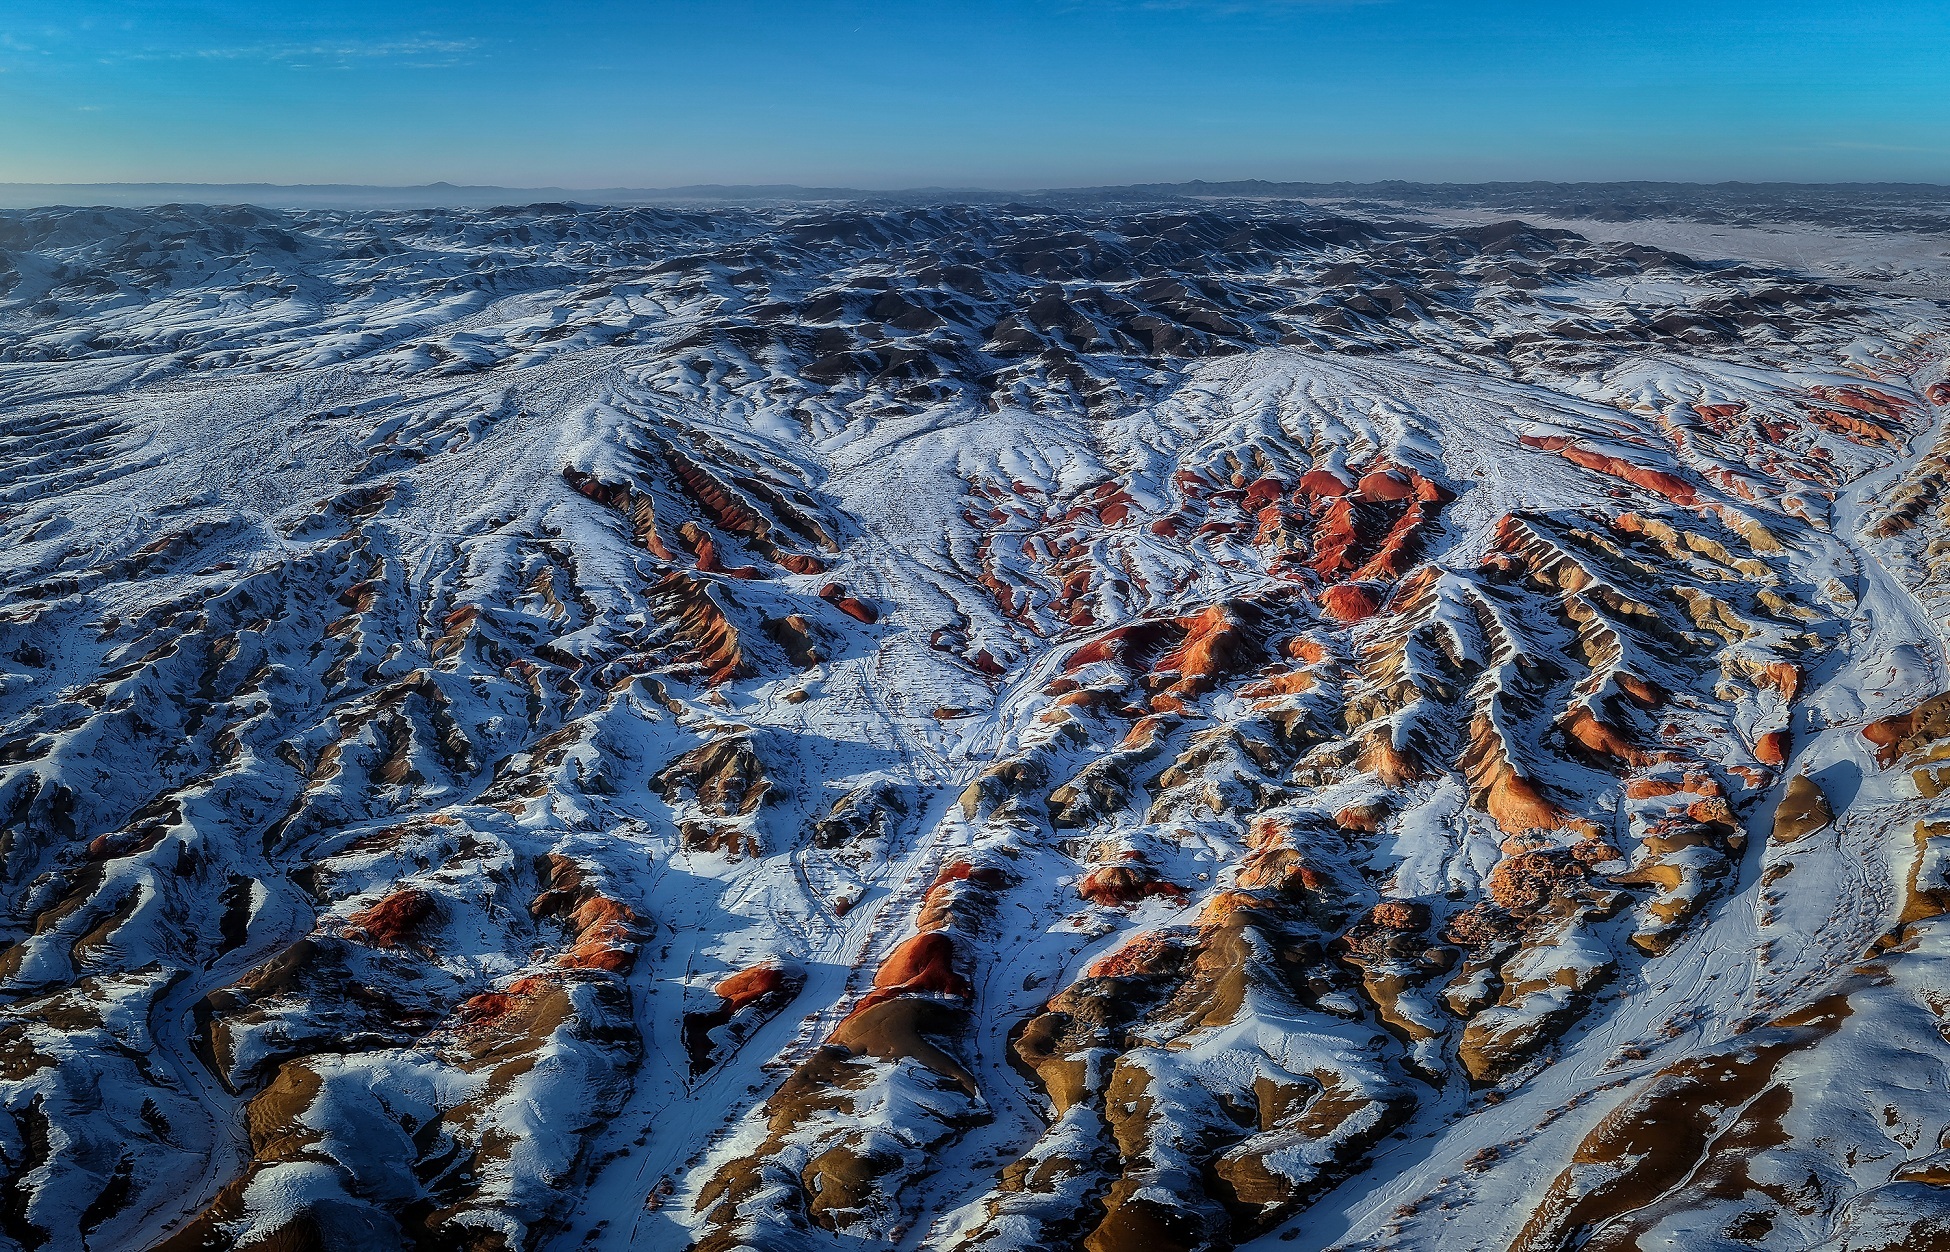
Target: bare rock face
(1803,810)
(1114,724)
(746,1000)
(717,789)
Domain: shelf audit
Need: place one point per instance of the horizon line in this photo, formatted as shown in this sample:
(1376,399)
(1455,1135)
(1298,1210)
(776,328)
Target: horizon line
(144,194)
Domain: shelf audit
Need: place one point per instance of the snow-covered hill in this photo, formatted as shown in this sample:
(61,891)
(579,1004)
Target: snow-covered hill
(966,727)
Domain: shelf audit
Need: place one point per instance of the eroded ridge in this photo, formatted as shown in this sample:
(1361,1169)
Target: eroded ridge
(961,728)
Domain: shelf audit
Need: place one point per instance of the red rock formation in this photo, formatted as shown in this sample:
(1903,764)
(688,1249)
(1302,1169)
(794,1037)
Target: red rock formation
(1497,787)
(1216,643)
(1386,482)
(603,931)
(606,936)
(747,985)
(1145,953)
(1349,602)
(635,505)
(1898,736)
(1277,868)
(1865,400)
(758,993)
(1113,503)
(1130,646)
(1322,481)
(1673,488)
(727,781)
(1337,533)
(1362,818)
(924,964)
(1526,884)
(1597,741)
(1391,766)
(1644,694)
(962,871)
(720,504)
(800,563)
(1115,886)
(1261,493)
(1405,916)
(1853,427)
(1287,683)
(706,635)
(701,545)
(481,1012)
(795,634)
(1803,809)
(1402,545)
(1781,676)
(126,843)
(1695,782)
(1309,651)
(392,920)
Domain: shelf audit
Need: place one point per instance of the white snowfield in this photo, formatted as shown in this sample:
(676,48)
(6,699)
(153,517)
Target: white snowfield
(971,727)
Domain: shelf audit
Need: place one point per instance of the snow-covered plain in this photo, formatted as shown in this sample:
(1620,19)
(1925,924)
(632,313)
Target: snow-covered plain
(969,727)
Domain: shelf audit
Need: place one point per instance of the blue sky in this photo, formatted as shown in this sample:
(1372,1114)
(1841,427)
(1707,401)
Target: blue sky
(1001,93)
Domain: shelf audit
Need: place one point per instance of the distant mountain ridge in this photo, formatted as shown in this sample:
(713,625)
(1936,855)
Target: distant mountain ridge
(1610,200)
(432,195)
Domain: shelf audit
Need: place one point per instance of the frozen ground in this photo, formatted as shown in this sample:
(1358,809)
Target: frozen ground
(965,727)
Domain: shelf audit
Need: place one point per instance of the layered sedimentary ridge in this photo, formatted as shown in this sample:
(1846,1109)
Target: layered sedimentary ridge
(964,728)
